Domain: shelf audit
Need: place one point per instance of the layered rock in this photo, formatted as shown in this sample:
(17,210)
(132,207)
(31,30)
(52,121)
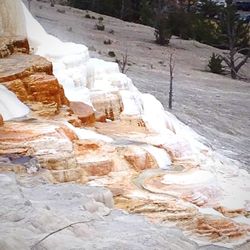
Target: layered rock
(1,120)
(109,104)
(124,154)
(139,158)
(84,112)
(10,45)
(50,144)
(30,78)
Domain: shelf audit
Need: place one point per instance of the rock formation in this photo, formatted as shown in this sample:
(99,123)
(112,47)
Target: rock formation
(87,123)
(1,120)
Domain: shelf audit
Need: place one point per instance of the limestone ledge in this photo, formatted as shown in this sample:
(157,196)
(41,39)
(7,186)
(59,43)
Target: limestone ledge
(10,45)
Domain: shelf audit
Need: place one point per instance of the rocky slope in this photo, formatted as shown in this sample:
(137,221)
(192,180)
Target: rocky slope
(217,107)
(65,166)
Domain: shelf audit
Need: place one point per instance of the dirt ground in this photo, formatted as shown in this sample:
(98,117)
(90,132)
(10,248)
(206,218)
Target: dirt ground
(215,106)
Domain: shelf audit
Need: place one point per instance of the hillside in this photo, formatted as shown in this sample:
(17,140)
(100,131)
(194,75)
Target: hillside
(89,161)
(217,107)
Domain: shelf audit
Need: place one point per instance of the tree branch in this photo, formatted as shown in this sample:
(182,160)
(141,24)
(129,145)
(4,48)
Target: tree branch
(226,60)
(243,49)
(237,68)
(59,230)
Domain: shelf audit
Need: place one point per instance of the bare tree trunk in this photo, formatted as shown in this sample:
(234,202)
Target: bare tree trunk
(171,75)
(233,60)
(122,9)
(123,63)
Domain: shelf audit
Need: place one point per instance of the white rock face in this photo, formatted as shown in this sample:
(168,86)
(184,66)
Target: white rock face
(79,75)
(10,106)
(10,26)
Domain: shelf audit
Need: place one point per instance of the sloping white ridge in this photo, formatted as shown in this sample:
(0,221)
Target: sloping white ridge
(79,74)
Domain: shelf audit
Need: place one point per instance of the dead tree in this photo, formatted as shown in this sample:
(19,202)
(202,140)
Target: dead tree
(234,60)
(236,31)
(171,65)
(123,63)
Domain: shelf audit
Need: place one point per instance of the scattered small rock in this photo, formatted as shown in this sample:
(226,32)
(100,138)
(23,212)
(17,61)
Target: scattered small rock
(61,11)
(28,203)
(111,31)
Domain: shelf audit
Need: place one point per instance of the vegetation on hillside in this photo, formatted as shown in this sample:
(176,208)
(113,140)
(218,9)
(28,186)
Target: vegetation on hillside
(205,21)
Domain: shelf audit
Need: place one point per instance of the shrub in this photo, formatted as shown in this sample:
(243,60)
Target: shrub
(100,18)
(107,42)
(215,64)
(87,16)
(111,53)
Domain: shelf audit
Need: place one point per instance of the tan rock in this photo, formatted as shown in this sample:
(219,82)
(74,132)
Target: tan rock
(38,87)
(82,147)
(74,121)
(19,66)
(63,129)
(139,158)
(107,104)
(96,167)
(67,175)
(49,143)
(18,169)
(165,210)
(1,120)
(218,229)
(99,117)
(85,113)
(9,45)
(231,213)
(99,168)
(30,78)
